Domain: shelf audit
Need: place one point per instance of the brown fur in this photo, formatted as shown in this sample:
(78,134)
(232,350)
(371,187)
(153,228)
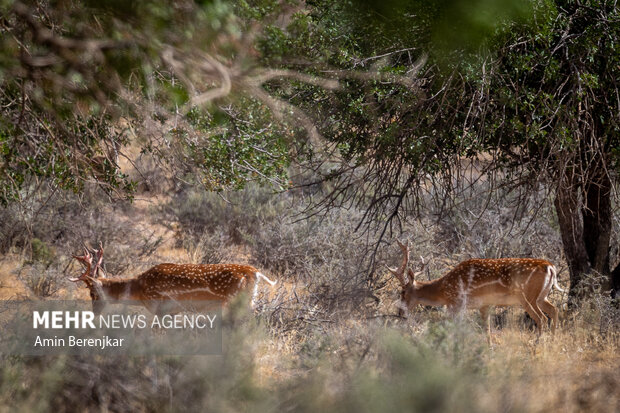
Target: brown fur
(481,283)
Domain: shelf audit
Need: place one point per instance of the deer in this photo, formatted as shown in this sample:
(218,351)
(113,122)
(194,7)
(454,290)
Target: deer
(167,285)
(481,283)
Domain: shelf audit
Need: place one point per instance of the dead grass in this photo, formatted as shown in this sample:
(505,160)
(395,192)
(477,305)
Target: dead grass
(558,372)
(302,352)
(572,371)
(10,286)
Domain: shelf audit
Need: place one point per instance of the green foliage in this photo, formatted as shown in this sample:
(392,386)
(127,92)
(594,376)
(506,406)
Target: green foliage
(385,119)
(41,252)
(75,75)
(89,65)
(528,85)
(399,374)
(237,144)
(554,83)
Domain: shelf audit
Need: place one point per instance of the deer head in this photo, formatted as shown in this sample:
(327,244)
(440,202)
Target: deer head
(91,277)
(406,277)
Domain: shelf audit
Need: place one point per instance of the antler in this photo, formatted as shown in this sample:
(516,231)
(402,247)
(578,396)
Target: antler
(87,261)
(399,273)
(413,275)
(99,259)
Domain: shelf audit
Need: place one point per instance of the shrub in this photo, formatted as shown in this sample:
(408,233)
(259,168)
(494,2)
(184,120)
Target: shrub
(42,280)
(209,248)
(163,383)
(233,213)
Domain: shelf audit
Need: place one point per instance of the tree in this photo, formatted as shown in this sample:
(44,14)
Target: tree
(554,94)
(537,102)
(191,83)
(82,80)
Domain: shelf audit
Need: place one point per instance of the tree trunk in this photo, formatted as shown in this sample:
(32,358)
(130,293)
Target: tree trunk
(615,282)
(597,218)
(568,209)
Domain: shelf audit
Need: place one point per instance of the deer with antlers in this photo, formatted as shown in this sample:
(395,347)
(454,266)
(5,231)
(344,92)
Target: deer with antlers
(481,283)
(166,284)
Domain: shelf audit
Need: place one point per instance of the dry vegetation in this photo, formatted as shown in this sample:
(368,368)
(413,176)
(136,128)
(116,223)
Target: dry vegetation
(326,339)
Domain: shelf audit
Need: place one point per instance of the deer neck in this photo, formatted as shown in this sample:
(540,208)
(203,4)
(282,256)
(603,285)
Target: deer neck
(120,289)
(430,293)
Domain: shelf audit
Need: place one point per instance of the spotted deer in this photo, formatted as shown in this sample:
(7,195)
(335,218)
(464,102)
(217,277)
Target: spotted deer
(165,285)
(481,283)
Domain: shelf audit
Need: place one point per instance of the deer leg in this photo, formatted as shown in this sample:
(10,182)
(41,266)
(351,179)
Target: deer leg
(532,309)
(484,314)
(254,294)
(550,309)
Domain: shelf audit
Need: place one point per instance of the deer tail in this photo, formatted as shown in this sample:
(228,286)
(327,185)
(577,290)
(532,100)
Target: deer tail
(554,277)
(260,275)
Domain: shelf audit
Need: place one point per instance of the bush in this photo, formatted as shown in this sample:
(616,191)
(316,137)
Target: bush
(209,248)
(599,310)
(120,383)
(43,281)
(324,255)
(63,222)
(232,213)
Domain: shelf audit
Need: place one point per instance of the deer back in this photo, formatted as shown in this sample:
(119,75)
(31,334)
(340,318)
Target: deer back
(496,281)
(195,281)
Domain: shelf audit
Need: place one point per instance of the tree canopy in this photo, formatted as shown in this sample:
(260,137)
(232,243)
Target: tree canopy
(537,102)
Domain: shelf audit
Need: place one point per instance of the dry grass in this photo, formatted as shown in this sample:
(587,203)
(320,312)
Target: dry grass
(306,349)
(572,371)
(10,286)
